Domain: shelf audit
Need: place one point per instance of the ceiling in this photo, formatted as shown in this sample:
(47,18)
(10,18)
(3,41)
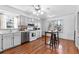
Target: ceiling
(49,10)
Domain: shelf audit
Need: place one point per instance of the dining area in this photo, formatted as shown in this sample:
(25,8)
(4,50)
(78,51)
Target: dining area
(55,28)
(53,39)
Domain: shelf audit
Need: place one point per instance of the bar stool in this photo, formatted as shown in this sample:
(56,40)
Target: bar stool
(57,38)
(54,39)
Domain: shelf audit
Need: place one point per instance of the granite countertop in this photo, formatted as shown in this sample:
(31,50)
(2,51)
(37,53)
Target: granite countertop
(15,32)
(8,32)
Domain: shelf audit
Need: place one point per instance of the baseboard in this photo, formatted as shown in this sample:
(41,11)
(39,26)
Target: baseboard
(60,38)
(67,39)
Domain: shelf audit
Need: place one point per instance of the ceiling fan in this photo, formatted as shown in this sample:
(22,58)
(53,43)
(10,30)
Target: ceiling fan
(37,10)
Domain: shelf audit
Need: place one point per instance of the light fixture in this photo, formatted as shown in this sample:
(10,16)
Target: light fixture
(37,10)
(37,7)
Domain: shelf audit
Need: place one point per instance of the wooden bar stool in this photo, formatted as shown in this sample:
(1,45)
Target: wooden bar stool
(54,39)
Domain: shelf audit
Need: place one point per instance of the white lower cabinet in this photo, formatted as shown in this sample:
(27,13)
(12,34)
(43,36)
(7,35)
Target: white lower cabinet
(17,38)
(0,43)
(7,41)
(38,33)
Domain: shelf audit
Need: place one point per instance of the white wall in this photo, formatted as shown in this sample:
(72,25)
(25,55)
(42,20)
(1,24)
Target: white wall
(44,25)
(68,30)
(68,24)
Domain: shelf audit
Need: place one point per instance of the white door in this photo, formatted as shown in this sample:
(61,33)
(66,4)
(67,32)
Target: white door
(40,34)
(77,32)
(17,38)
(0,42)
(7,41)
(68,27)
(37,34)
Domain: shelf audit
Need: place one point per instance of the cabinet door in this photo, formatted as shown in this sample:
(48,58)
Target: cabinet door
(36,34)
(0,42)
(17,39)
(40,33)
(7,41)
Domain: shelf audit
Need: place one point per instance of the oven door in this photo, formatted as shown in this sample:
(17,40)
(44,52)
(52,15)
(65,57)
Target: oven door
(32,35)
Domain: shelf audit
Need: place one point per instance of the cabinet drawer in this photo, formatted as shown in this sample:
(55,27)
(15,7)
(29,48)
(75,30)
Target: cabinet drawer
(7,35)
(17,34)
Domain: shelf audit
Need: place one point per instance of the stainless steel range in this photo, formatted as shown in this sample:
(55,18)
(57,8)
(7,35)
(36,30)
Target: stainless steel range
(32,35)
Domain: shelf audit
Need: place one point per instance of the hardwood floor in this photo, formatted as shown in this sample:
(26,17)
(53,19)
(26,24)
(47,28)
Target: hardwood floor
(38,47)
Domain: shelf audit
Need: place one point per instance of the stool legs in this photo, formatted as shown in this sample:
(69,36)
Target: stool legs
(54,41)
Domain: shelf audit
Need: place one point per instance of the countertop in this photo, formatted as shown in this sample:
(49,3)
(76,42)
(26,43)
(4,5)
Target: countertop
(2,33)
(8,33)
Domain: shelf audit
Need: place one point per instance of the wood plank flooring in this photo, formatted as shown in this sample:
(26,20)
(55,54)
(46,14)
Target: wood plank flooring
(38,47)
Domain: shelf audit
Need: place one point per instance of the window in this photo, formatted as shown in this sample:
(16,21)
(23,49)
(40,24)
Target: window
(56,25)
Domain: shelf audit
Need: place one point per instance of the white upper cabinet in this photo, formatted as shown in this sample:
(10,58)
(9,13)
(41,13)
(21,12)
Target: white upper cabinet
(8,21)
(2,21)
(22,20)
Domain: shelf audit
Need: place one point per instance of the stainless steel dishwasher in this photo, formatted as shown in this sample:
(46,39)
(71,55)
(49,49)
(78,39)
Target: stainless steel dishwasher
(24,37)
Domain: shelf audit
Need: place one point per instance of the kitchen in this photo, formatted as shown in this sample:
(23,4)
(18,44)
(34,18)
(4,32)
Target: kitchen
(27,24)
(12,35)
